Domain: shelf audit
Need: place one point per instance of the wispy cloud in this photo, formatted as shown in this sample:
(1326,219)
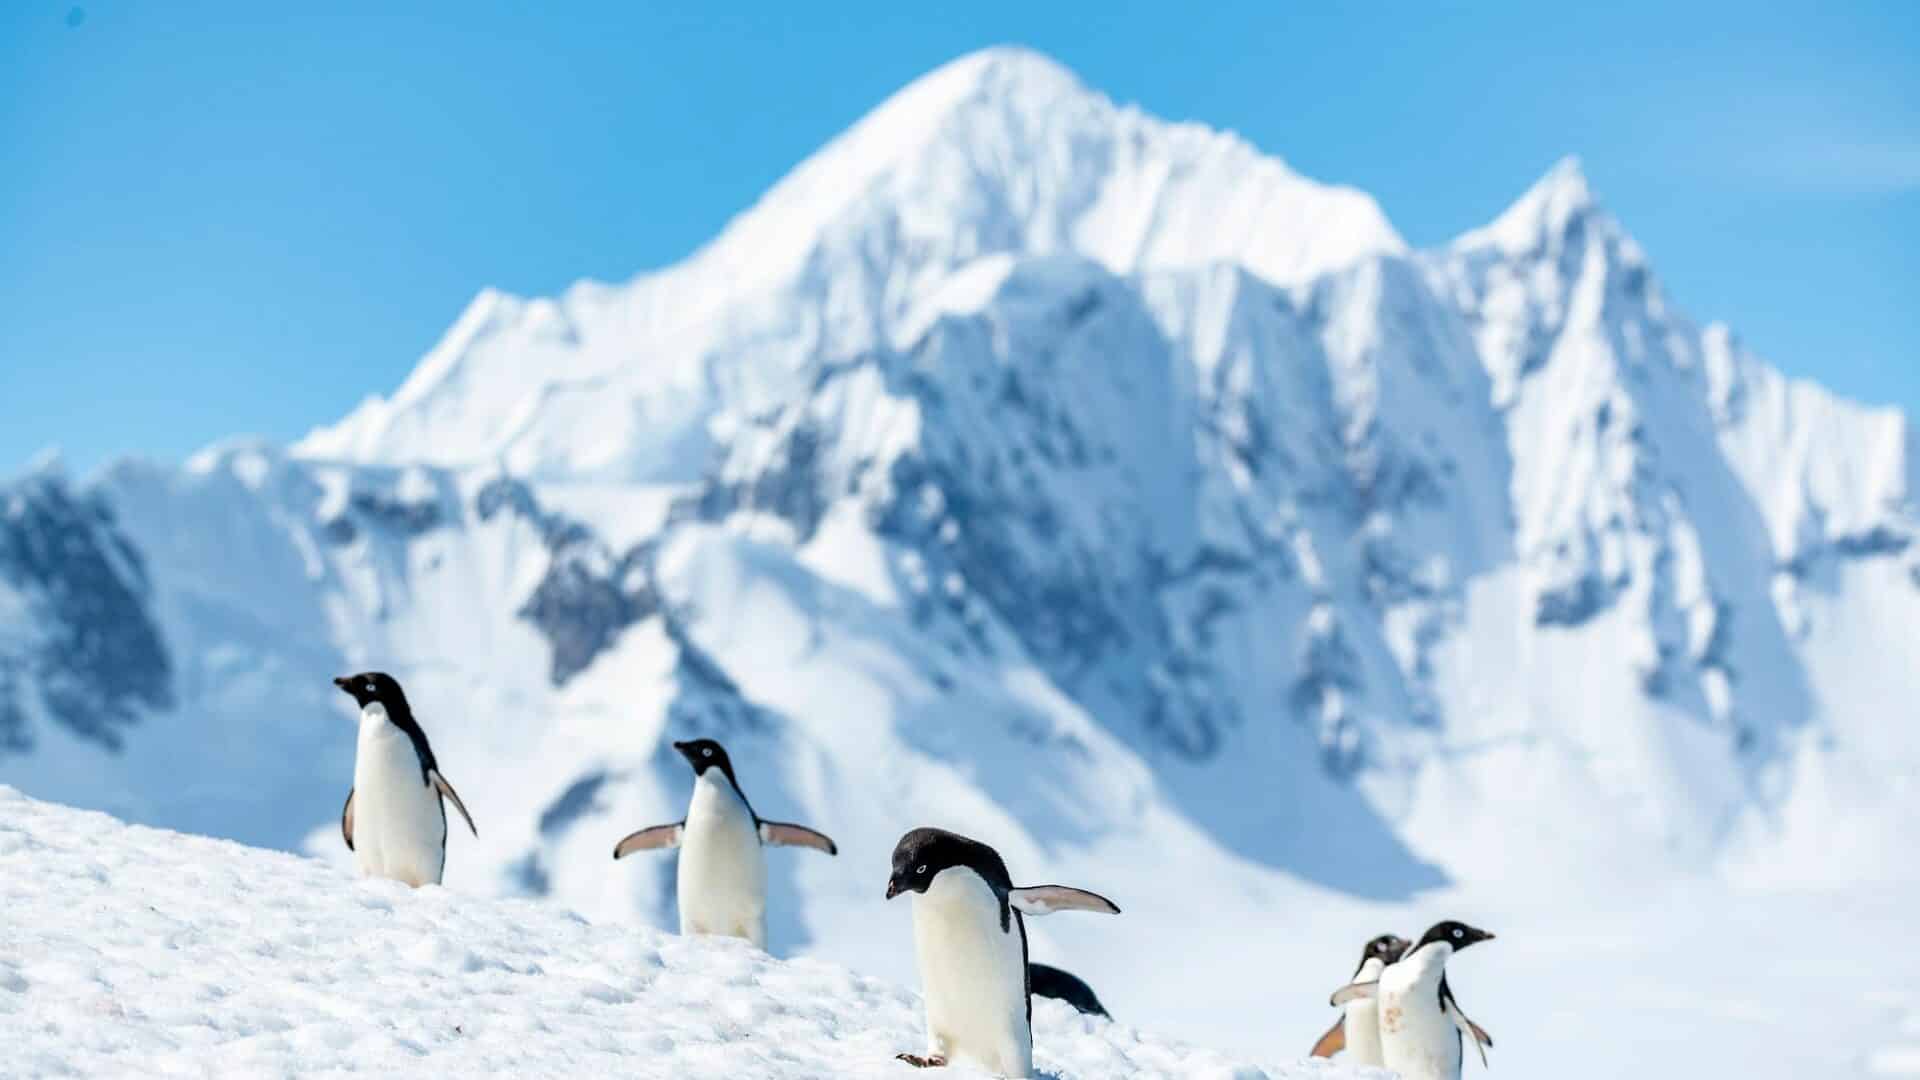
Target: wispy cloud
(1864,166)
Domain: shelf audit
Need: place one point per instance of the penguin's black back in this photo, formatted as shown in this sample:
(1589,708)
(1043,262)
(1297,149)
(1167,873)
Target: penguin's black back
(1064,986)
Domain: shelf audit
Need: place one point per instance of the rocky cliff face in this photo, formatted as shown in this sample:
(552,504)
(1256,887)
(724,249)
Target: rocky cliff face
(78,646)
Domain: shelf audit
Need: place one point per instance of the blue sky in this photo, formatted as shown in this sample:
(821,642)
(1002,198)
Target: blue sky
(218,219)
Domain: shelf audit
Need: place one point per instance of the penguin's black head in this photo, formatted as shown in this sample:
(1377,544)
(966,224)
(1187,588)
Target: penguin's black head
(704,754)
(1457,934)
(1387,948)
(921,854)
(371,686)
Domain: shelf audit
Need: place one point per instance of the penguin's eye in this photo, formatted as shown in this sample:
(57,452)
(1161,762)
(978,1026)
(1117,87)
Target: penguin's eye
(706,751)
(922,870)
(1459,933)
(369,688)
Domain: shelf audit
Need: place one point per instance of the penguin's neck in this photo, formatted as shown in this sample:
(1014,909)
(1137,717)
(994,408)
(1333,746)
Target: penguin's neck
(1427,964)
(958,892)
(715,800)
(375,725)
(1370,970)
(385,753)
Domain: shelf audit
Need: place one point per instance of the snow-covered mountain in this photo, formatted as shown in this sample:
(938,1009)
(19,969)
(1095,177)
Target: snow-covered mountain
(1091,484)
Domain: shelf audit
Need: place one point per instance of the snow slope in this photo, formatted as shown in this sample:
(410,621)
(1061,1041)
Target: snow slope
(137,952)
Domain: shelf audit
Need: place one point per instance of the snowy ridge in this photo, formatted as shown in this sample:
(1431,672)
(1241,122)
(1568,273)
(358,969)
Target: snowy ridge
(1003,151)
(136,952)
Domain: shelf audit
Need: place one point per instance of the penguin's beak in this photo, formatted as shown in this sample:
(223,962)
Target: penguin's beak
(893,888)
(686,750)
(342,682)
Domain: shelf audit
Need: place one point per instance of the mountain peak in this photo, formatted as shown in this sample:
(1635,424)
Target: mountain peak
(999,71)
(1002,152)
(1548,208)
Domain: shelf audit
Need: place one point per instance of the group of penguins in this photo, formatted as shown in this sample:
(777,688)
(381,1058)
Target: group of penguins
(970,937)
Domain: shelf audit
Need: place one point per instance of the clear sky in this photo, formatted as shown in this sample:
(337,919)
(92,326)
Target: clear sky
(217,219)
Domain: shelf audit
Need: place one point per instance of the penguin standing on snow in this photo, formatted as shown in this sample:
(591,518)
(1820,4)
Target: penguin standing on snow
(1051,982)
(722,878)
(1420,1022)
(394,821)
(970,940)
(1358,1029)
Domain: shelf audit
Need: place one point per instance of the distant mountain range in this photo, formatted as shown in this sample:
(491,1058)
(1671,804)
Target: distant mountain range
(1025,464)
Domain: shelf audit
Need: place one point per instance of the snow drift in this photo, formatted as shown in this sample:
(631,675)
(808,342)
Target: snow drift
(136,952)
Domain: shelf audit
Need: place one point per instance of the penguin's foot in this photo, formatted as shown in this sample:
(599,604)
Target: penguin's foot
(919,1062)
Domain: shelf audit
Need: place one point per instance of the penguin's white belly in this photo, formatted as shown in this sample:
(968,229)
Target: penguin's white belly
(1363,1034)
(1362,1019)
(1417,1039)
(722,878)
(973,975)
(399,828)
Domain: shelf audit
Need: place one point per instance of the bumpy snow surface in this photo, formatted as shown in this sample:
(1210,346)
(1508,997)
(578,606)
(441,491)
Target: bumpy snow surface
(127,951)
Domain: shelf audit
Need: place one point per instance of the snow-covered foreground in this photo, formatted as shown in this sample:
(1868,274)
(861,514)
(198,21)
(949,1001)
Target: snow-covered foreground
(128,951)
(133,951)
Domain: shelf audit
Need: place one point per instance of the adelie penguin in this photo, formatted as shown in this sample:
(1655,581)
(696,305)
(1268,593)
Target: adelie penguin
(395,821)
(1420,1022)
(722,878)
(1358,1029)
(970,940)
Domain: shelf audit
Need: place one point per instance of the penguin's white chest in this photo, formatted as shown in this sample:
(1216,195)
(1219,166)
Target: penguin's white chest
(973,974)
(1363,1020)
(399,828)
(1417,1038)
(722,876)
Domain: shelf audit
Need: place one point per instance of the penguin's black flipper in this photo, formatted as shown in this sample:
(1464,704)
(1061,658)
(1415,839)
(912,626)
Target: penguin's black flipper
(1044,980)
(440,785)
(1047,899)
(1334,1041)
(781,834)
(650,839)
(346,820)
(1481,1040)
(1354,992)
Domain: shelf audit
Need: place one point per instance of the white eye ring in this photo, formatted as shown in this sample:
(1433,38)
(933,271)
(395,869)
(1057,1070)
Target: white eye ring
(706,751)
(369,688)
(922,870)
(1457,932)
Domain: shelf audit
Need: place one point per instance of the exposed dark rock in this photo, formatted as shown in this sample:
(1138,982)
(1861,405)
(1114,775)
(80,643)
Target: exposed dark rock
(504,494)
(97,658)
(793,487)
(13,719)
(1879,540)
(584,603)
(581,798)
(588,596)
(397,515)
(371,511)
(1329,676)
(529,875)
(709,702)
(1061,612)
(1576,602)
